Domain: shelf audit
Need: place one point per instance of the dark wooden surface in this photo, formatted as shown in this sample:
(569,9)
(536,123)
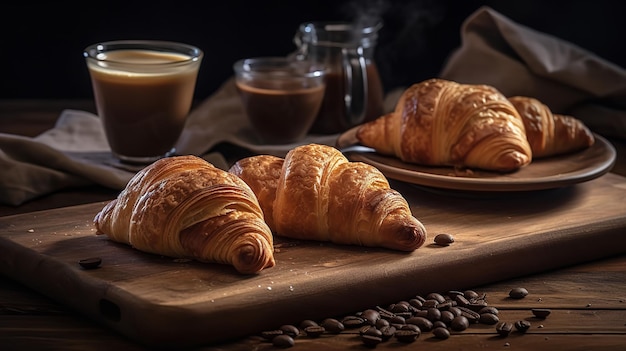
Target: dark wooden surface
(588,300)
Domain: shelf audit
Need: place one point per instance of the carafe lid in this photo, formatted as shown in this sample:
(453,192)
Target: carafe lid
(337,34)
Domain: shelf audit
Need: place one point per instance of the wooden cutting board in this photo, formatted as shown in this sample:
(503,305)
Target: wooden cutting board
(167,302)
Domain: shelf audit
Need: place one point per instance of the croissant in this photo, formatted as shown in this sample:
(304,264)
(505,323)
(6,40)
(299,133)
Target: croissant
(185,207)
(315,193)
(551,134)
(444,123)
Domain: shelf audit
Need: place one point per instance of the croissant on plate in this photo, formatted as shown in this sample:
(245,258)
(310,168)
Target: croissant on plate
(444,123)
(185,207)
(315,193)
(551,134)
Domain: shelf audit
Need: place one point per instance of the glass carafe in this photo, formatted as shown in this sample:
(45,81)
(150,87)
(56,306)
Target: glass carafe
(354,92)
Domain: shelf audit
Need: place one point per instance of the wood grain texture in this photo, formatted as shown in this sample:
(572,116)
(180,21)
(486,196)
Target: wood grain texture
(152,299)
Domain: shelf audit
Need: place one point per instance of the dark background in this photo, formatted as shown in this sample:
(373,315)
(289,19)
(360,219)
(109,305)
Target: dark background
(42,42)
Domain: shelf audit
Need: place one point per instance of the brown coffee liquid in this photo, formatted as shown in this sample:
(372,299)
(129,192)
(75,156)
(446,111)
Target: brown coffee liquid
(332,116)
(143,114)
(281,116)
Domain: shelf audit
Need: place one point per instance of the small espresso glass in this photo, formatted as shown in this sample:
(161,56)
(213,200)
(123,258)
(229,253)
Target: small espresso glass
(143,91)
(281,96)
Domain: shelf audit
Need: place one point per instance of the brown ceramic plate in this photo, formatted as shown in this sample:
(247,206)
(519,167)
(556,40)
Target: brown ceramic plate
(548,173)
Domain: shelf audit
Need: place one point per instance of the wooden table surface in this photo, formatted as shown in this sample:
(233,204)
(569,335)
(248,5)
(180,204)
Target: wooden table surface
(588,300)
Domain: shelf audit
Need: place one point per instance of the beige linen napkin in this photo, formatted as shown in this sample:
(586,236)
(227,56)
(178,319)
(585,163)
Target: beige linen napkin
(75,152)
(518,60)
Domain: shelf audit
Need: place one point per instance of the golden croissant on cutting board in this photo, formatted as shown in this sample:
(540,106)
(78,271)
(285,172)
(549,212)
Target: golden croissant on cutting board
(315,193)
(551,134)
(185,207)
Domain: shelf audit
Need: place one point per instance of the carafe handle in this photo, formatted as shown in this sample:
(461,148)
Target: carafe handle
(355,96)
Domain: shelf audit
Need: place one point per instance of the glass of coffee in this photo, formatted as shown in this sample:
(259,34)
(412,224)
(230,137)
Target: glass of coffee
(143,91)
(281,96)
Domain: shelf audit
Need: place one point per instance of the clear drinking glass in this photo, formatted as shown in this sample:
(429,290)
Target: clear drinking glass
(143,91)
(281,96)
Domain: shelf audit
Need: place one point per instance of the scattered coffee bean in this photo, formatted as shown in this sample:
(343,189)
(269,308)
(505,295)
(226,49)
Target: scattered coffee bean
(406,336)
(441,333)
(518,293)
(290,330)
(504,328)
(522,325)
(314,331)
(439,324)
(371,340)
(446,317)
(541,312)
(459,323)
(436,296)
(370,316)
(423,323)
(383,323)
(489,309)
(90,263)
(388,332)
(283,341)
(444,239)
(471,315)
(332,325)
(353,321)
(488,318)
(308,323)
(371,331)
(470,294)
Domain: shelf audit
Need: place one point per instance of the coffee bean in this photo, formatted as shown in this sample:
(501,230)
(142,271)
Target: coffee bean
(410,327)
(441,333)
(504,328)
(406,336)
(459,323)
(371,331)
(433,314)
(446,317)
(308,323)
(371,340)
(353,321)
(90,263)
(541,312)
(488,318)
(470,294)
(423,323)
(417,303)
(283,341)
(333,326)
(489,309)
(436,296)
(314,331)
(397,320)
(439,324)
(444,239)
(290,330)
(387,331)
(518,293)
(471,316)
(370,316)
(383,323)
(522,325)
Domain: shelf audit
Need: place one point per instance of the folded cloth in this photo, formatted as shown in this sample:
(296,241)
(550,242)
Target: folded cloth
(75,151)
(518,60)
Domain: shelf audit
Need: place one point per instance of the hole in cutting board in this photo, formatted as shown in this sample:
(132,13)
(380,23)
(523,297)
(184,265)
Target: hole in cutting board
(110,310)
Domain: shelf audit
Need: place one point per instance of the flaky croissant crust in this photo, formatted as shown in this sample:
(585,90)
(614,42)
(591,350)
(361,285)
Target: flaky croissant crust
(185,207)
(548,133)
(315,193)
(439,122)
